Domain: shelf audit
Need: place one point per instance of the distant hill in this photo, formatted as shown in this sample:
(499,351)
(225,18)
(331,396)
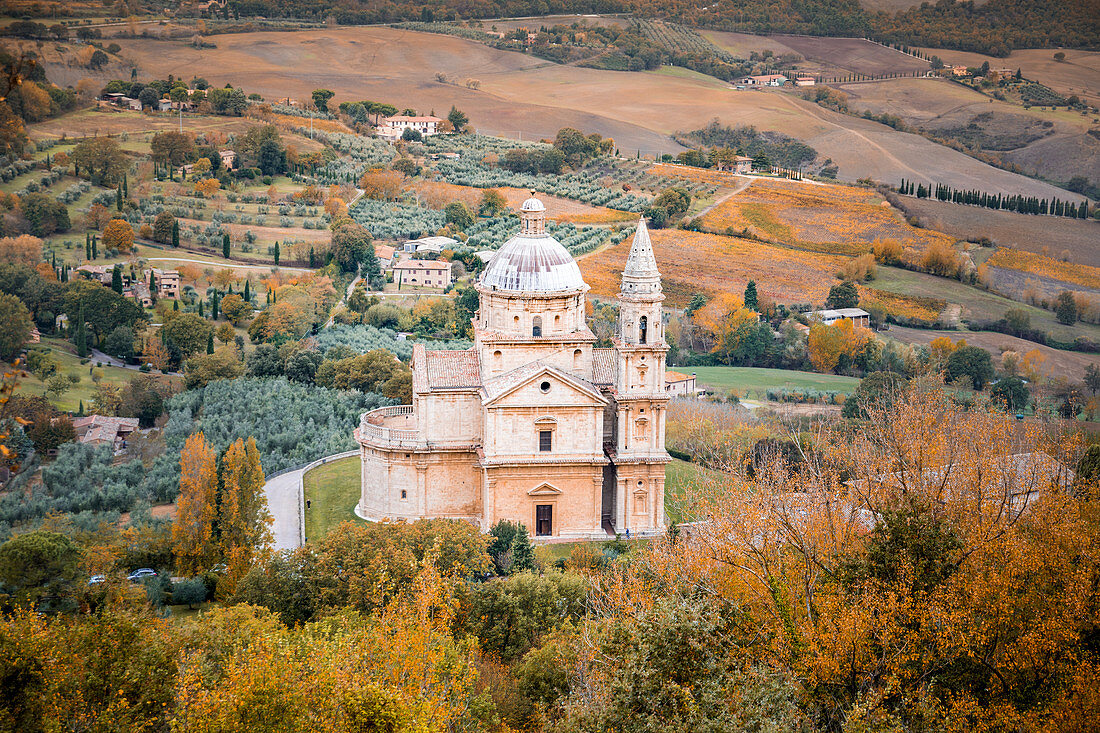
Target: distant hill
(995,27)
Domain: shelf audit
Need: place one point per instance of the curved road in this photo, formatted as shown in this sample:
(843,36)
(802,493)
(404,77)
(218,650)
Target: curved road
(283,501)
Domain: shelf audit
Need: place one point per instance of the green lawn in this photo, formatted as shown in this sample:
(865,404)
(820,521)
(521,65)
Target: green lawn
(65,353)
(332,491)
(752,382)
(978,304)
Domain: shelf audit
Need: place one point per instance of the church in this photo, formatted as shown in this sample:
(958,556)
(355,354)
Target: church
(533,424)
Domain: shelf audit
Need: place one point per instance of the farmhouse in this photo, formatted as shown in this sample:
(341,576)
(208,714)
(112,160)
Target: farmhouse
(167,283)
(858,316)
(100,430)
(532,424)
(678,384)
(99,273)
(805,81)
(393,127)
(765,80)
(739,164)
(384,253)
(423,273)
(429,245)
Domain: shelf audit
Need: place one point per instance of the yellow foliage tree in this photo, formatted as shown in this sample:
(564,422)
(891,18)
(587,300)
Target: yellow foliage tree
(244,521)
(118,235)
(193,531)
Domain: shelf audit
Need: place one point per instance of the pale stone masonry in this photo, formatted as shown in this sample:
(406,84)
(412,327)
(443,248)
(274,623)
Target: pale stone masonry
(533,424)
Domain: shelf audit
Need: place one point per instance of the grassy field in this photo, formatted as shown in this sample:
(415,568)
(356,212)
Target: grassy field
(1051,235)
(70,401)
(977,304)
(332,491)
(753,382)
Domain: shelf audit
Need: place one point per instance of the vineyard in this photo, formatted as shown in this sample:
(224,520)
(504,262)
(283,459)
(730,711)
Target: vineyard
(1046,267)
(678,39)
(907,307)
(698,262)
(829,219)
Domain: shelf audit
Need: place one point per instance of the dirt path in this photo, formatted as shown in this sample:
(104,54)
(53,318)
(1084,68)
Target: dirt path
(852,131)
(741,186)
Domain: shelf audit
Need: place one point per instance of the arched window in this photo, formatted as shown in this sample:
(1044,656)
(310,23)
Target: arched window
(498,360)
(536,326)
(576,360)
(642,325)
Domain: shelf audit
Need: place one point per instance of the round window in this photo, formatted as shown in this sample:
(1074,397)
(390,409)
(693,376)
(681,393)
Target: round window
(545,386)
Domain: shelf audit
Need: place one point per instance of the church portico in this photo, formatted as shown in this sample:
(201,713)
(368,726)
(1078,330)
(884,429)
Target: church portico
(533,424)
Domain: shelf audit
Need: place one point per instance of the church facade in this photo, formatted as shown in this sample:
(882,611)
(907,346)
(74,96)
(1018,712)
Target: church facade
(533,423)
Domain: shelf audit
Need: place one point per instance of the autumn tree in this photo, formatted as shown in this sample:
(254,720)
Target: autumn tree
(102,158)
(15,326)
(172,148)
(118,235)
(244,522)
(236,309)
(23,249)
(193,531)
(163,226)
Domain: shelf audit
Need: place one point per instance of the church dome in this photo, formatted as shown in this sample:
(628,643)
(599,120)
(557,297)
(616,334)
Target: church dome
(532,261)
(533,264)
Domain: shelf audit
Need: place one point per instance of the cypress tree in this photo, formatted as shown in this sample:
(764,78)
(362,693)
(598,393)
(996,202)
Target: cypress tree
(276,253)
(125,186)
(523,554)
(175,305)
(95,251)
(225,245)
(175,233)
(200,310)
(118,198)
(210,343)
(87,246)
(214,307)
(752,301)
(81,335)
(247,291)
(80,412)
(116,279)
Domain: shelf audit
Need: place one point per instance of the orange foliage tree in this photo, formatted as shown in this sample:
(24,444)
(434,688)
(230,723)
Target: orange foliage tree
(193,531)
(118,235)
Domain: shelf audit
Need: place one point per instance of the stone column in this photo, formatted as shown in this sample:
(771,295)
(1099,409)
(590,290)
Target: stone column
(659,500)
(620,505)
(652,503)
(597,493)
(421,489)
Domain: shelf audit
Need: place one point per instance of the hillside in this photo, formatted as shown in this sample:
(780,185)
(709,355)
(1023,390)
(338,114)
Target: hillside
(523,97)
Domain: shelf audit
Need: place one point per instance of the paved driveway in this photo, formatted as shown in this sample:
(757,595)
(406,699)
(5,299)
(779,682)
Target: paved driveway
(283,502)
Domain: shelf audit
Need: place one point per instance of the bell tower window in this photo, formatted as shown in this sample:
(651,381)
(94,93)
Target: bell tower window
(643,325)
(536,326)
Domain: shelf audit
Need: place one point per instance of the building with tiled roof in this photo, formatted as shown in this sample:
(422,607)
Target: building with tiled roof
(101,430)
(678,384)
(423,274)
(532,424)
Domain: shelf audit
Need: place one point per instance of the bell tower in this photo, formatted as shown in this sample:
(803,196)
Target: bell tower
(639,456)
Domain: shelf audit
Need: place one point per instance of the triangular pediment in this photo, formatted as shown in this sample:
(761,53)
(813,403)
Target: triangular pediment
(500,388)
(544,489)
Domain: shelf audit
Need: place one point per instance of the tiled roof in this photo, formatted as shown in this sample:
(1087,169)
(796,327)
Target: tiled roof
(452,369)
(100,428)
(603,366)
(677,377)
(422,265)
